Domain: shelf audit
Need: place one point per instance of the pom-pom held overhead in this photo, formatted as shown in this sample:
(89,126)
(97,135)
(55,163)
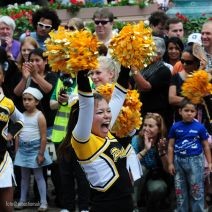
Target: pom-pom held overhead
(57,49)
(133,46)
(71,51)
(196,86)
(83,51)
(129,117)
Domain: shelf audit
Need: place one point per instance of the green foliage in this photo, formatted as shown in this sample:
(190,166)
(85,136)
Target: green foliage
(192,25)
(119,25)
(90,26)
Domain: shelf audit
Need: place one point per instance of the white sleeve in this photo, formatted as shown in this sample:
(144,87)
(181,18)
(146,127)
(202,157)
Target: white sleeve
(133,164)
(17,116)
(83,127)
(116,102)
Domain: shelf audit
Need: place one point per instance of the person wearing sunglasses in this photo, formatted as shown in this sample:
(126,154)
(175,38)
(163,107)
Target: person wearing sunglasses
(44,20)
(103,20)
(190,63)
(75,24)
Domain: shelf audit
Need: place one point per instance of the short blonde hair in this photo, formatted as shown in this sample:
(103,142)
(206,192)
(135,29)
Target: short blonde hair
(111,65)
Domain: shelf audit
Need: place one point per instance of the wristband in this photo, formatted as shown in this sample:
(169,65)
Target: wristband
(134,73)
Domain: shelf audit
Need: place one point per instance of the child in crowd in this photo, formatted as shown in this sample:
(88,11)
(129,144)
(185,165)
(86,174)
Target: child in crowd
(31,153)
(150,146)
(187,140)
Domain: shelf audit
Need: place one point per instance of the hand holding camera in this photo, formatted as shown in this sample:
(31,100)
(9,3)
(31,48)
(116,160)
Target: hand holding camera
(63,97)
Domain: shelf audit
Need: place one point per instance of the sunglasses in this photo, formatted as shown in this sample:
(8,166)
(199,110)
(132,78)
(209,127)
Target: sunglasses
(44,26)
(187,62)
(71,28)
(102,22)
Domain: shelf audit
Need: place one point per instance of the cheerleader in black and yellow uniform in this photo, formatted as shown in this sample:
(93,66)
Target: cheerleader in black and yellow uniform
(7,111)
(101,156)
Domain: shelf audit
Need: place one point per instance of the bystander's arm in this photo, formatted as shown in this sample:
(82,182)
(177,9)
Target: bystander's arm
(171,167)
(207,152)
(142,84)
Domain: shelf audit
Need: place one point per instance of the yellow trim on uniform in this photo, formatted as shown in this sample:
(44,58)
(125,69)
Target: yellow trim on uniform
(8,104)
(88,151)
(128,149)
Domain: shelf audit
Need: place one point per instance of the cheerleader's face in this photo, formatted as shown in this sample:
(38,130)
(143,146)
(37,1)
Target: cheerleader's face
(101,119)
(101,76)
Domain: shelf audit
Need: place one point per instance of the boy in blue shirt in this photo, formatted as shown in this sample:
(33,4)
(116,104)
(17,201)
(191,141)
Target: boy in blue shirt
(187,140)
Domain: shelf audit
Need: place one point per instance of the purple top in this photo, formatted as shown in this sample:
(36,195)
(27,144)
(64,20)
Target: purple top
(15,48)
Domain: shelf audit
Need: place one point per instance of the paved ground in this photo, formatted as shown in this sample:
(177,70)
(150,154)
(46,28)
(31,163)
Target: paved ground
(53,208)
(51,205)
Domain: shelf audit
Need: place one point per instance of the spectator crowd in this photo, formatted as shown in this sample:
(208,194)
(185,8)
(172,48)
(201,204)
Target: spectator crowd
(54,121)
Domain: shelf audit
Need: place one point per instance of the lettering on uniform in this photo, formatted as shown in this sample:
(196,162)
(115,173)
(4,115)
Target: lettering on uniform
(117,153)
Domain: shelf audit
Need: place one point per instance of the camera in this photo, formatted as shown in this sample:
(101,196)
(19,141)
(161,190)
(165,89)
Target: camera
(3,43)
(67,83)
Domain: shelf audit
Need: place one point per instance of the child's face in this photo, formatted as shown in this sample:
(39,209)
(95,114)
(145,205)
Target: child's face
(29,102)
(26,49)
(188,112)
(150,127)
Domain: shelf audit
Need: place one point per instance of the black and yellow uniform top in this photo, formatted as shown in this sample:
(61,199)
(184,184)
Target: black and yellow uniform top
(7,111)
(104,162)
(103,159)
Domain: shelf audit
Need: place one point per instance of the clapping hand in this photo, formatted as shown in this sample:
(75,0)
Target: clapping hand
(147,141)
(162,146)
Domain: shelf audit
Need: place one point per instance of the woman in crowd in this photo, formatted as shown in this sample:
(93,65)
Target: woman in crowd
(36,73)
(190,63)
(174,48)
(150,145)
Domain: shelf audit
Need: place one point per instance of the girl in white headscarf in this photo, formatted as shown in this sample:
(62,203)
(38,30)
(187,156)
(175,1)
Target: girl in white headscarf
(31,150)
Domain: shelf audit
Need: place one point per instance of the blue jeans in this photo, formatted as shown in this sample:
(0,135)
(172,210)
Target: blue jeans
(189,185)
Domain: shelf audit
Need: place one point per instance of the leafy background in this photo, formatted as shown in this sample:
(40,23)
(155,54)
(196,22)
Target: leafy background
(22,14)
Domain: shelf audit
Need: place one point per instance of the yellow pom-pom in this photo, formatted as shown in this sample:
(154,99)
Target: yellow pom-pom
(129,117)
(133,46)
(57,49)
(196,86)
(69,51)
(83,51)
